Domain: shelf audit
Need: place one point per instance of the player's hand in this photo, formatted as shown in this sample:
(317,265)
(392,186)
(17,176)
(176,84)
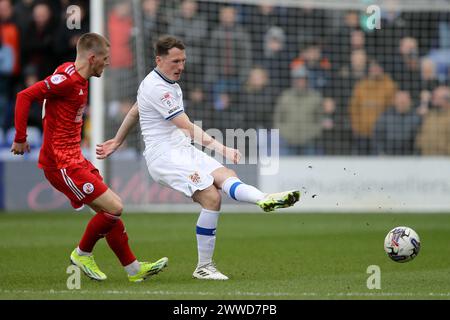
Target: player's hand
(232,154)
(103,150)
(20,148)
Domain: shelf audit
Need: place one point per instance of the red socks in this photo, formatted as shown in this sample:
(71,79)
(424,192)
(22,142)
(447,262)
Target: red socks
(107,225)
(97,228)
(117,240)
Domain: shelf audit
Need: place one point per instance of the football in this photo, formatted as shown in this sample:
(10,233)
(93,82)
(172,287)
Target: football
(402,244)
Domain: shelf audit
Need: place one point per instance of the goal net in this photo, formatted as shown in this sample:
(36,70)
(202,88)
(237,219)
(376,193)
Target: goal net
(333,78)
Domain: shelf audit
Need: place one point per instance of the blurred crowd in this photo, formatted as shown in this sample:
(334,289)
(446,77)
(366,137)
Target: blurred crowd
(34,40)
(330,84)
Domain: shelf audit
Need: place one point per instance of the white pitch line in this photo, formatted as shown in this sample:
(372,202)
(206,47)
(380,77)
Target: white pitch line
(166,293)
(236,293)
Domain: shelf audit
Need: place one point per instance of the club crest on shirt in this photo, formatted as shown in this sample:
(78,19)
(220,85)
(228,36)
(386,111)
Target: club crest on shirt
(57,78)
(88,188)
(195,178)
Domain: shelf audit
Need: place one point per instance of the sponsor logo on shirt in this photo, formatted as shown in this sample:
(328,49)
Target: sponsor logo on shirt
(174,109)
(88,188)
(57,78)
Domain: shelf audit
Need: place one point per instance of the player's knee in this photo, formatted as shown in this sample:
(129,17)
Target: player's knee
(209,199)
(117,208)
(214,200)
(231,173)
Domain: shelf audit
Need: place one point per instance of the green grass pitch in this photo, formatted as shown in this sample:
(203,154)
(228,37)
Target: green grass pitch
(267,256)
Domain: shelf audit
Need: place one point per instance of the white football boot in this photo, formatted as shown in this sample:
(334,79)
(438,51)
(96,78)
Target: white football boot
(208,272)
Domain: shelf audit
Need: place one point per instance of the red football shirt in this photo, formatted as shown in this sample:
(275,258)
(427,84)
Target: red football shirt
(64,95)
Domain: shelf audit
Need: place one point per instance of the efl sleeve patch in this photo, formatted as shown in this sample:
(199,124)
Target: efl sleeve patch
(57,78)
(168,106)
(167,100)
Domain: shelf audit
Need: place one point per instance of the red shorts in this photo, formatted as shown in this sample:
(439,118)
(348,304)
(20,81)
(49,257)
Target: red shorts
(81,183)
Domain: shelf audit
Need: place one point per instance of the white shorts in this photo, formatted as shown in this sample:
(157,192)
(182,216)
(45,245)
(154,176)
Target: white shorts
(184,168)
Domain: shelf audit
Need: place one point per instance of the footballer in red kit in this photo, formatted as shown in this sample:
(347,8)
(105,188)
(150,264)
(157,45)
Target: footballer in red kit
(64,96)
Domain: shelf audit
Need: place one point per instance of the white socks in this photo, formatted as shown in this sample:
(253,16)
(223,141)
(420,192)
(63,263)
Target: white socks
(240,191)
(206,235)
(83,253)
(133,268)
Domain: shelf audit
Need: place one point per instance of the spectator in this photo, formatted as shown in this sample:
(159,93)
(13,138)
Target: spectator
(424,25)
(339,43)
(155,23)
(23,20)
(66,39)
(428,75)
(357,41)
(192,28)
(226,116)
(276,59)
(340,90)
(261,19)
(396,129)
(383,42)
(10,33)
(318,66)
(229,56)
(38,49)
(314,25)
(123,78)
(6,70)
(256,100)
(332,140)
(297,105)
(406,67)
(434,136)
(197,107)
(371,97)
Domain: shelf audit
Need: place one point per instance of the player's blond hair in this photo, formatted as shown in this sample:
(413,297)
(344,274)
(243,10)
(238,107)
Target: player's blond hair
(92,42)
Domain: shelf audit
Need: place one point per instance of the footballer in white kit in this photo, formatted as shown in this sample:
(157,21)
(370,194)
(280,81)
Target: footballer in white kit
(171,158)
(173,161)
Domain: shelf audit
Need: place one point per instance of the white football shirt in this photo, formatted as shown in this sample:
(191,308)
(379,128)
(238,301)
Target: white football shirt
(160,100)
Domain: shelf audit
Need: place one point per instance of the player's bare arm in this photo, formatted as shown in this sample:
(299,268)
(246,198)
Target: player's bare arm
(198,135)
(103,150)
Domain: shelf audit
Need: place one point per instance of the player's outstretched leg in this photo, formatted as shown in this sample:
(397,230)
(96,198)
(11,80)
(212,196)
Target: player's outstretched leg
(240,191)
